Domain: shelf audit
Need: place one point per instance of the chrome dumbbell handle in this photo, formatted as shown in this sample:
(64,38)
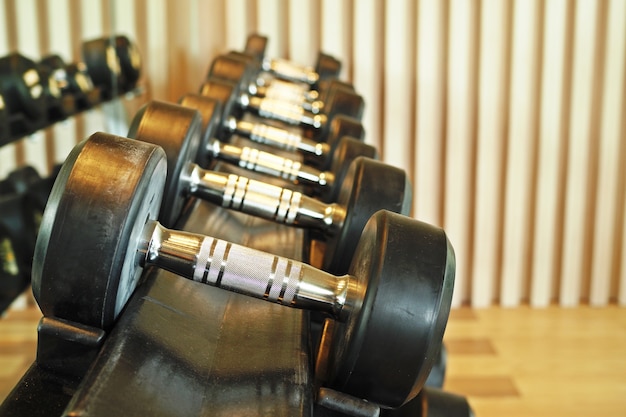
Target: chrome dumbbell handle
(292,114)
(263,200)
(277,137)
(244,270)
(289,71)
(269,164)
(284,91)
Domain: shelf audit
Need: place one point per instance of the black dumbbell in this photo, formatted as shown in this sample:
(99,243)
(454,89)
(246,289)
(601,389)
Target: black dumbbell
(368,186)
(73,81)
(113,63)
(316,153)
(15,253)
(19,180)
(247,71)
(99,232)
(326,66)
(322,183)
(23,196)
(338,100)
(22,88)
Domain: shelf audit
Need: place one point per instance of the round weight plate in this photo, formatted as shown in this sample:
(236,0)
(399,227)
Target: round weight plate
(225,92)
(326,86)
(22,87)
(130,62)
(368,186)
(177,130)
(256,45)
(85,265)
(341,126)
(389,343)
(230,68)
(346,151)
(344,101)
(327,66)
(210,112)
(103,64)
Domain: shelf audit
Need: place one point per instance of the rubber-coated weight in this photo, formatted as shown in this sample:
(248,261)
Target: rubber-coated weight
(391,352)
(177,130)
(367,187)
(21,86)
(85,267)
(113,63)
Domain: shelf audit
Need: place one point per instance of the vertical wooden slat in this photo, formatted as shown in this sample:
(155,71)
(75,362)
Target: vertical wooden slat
(550,153)
(211,35)
(304,30)
(609,144)
(336,33)
(180,61)
(574,259)
(156,58)
(92,27)
(621,297)
(272,23)
(491,137)
(430,110)
(28,45)
(399,83)
(368,65)
(521,134)
(236,24)
(60,42)
(460,130)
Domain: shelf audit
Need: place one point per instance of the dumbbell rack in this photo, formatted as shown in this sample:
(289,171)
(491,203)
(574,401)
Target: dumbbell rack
(180,348)
(242,354)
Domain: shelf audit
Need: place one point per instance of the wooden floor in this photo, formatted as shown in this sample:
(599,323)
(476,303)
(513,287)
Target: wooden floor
(509,362)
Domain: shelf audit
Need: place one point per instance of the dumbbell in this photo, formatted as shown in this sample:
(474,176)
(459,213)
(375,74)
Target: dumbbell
(73,81)
(243,72)
(113,63)
(368,186)
(23,89)
(18,180)
(322,183)
(14,244)
(241,68)
(316,153)
(23,196)
(99,232)
(326,67)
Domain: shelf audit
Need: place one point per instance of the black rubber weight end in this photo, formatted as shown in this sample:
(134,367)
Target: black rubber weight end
(177,130)
(85,265)
(392,343)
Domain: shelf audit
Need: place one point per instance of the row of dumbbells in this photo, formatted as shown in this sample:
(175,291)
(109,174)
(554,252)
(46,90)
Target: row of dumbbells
(116,199)
(34,95)
(23,197)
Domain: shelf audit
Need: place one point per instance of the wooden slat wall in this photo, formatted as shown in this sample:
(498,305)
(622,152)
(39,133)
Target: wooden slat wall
(507,115)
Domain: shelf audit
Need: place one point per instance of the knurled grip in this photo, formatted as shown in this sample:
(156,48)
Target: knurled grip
(274,136)
(261,199)
(292,114)
(244,270)
(241,269)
